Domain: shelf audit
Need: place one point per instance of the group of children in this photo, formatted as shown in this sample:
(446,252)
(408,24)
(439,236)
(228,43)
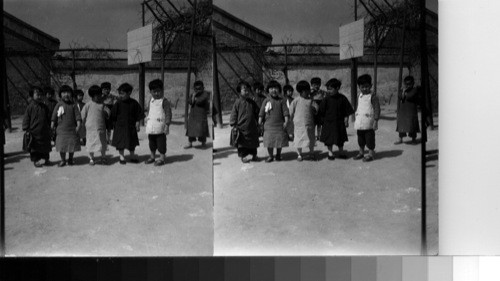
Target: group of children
(71,124)
(284,119)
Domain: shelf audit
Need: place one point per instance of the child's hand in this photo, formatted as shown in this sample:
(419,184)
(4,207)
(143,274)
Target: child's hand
(167,129)
(138,126)
(375,125)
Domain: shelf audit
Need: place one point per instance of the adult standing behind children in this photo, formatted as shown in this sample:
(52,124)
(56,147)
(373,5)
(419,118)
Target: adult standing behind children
(37,121)
(317,96)
(94,116)
(274,114)
(244,117)
(335,110)
(126,115)
(199,104)
(367,115)
(67,119)
(158,122)
(302,112)
(407,121)
(109,100)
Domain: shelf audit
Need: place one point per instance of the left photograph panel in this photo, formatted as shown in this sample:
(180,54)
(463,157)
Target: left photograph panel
(107,143)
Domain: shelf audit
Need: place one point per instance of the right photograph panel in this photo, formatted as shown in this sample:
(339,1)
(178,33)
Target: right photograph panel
(326,127)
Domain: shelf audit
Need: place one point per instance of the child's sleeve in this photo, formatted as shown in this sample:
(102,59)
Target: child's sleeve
(168,111)
(78,115)
(376,107)
(84,112)
(54,113)
(349,109)
(27,118)
(262,112)
(284,107)
(114,112)
(140,113)
(233,119)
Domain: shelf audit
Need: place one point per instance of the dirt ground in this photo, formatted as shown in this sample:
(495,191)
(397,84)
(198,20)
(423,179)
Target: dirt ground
(340,207)
(125,210)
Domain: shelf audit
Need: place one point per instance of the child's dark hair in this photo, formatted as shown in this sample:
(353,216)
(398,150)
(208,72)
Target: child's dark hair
(65,88)
(94,90)
(241,84)
(302,86)
(106,85)
(287,88)
(156,84)
(409,79)
(198,83)
(48,90)
(273,84)
(316,80)
(125,87)
(33,89)
(258,86)
(333,83)
(364,79)
(79,92)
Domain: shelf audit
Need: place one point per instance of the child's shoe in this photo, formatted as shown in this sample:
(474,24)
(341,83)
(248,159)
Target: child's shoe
(359,156)
(91,162)
(149,161)
(62,163)
(368,158)
(269,159)
(160,162)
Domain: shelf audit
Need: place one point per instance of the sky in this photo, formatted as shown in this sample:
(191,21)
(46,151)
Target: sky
(105,23)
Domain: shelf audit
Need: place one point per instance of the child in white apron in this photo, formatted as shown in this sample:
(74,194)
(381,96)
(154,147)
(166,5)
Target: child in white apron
(158,122)
(367,115)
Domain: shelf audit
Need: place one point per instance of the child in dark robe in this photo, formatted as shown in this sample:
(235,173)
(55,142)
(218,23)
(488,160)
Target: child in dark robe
(51,102)
(80,104)
(67,119)
(407,120)
(334,111)
(274,114)
(109,100)
(317,96)
(199,108)
(288,93)
(244,117)
(36,120)
(126,115)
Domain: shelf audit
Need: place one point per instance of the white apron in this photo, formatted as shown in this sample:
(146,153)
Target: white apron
(155,122)
(364,113)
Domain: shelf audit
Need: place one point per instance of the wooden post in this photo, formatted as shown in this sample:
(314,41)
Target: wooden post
(375,62)
(163,57)
(188,83)
(142,73)
(3,106)
(285,70)
(73,71)
(354,70)
(425,80)
(401,60)
(216,97)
